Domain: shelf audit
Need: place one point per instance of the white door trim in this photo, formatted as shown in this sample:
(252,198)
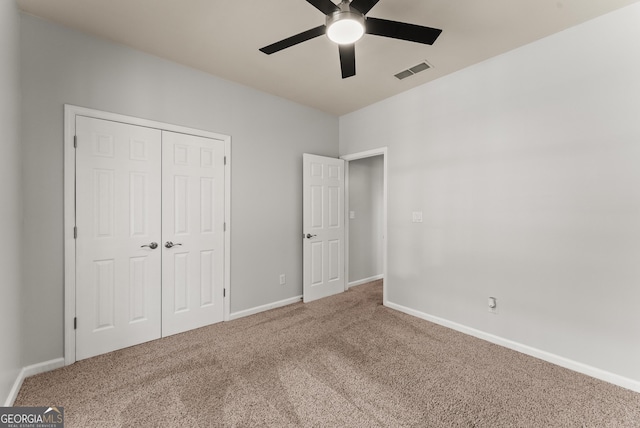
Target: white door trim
(382,151)
(69,243)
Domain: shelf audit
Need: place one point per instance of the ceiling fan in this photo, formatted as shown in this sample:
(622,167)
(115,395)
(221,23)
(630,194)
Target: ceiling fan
(346,23)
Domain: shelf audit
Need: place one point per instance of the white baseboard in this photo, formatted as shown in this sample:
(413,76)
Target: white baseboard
(576,366)
(258,309)
(364,281)
(31,370)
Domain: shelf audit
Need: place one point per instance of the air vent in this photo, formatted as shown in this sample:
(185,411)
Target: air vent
(424,65)
(404,74)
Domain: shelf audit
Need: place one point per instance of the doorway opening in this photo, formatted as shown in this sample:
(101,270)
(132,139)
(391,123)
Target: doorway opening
(366,218)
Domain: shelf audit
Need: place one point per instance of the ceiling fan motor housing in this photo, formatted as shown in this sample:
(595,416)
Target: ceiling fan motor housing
(345,16)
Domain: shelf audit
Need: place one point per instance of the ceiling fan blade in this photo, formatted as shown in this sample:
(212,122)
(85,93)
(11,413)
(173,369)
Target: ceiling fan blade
(325,6)
(347,60)
(294,40)
(402,30)
(363,6)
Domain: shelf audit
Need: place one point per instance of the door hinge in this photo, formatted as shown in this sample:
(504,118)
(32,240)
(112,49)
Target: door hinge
(75,141)
(225,160)
(224,226)
(224,292)
(75,232)
(75,323)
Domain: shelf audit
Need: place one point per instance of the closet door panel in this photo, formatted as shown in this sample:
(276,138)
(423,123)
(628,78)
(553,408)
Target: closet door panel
(118,217)
(192,232)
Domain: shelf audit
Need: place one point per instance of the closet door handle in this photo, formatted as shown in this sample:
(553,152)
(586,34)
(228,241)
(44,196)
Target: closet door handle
(170,244)
(153,245)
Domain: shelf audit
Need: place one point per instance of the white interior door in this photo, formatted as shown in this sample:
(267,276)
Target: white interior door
(323,227)
(118,208)
(192,232)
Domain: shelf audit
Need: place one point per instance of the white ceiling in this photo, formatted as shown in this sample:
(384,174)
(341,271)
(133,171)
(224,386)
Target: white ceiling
(223,38)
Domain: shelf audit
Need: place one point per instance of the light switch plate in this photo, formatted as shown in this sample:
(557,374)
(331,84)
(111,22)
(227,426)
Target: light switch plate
(352,214)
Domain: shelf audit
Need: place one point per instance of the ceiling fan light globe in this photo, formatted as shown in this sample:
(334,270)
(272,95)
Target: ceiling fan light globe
(345,31)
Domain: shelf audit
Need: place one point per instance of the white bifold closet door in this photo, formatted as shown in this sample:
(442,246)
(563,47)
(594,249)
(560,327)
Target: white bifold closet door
(192,232)
(118,205)
(150,244)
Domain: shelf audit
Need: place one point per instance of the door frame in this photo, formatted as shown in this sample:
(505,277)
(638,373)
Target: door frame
(69,242)
(382,151)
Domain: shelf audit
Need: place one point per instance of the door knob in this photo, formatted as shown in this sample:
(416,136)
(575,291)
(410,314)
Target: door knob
(170,244)
(309,236)
(153,245)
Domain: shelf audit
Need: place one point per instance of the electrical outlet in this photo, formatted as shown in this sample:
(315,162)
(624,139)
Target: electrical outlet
(416,217)
(283,279)
(493,305)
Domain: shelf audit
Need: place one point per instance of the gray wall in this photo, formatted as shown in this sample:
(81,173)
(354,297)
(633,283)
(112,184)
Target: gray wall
(269,135)
(365,229)
(10,199)
(527,170)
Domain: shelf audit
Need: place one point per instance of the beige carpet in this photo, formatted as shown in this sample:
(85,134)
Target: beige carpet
(344,361)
